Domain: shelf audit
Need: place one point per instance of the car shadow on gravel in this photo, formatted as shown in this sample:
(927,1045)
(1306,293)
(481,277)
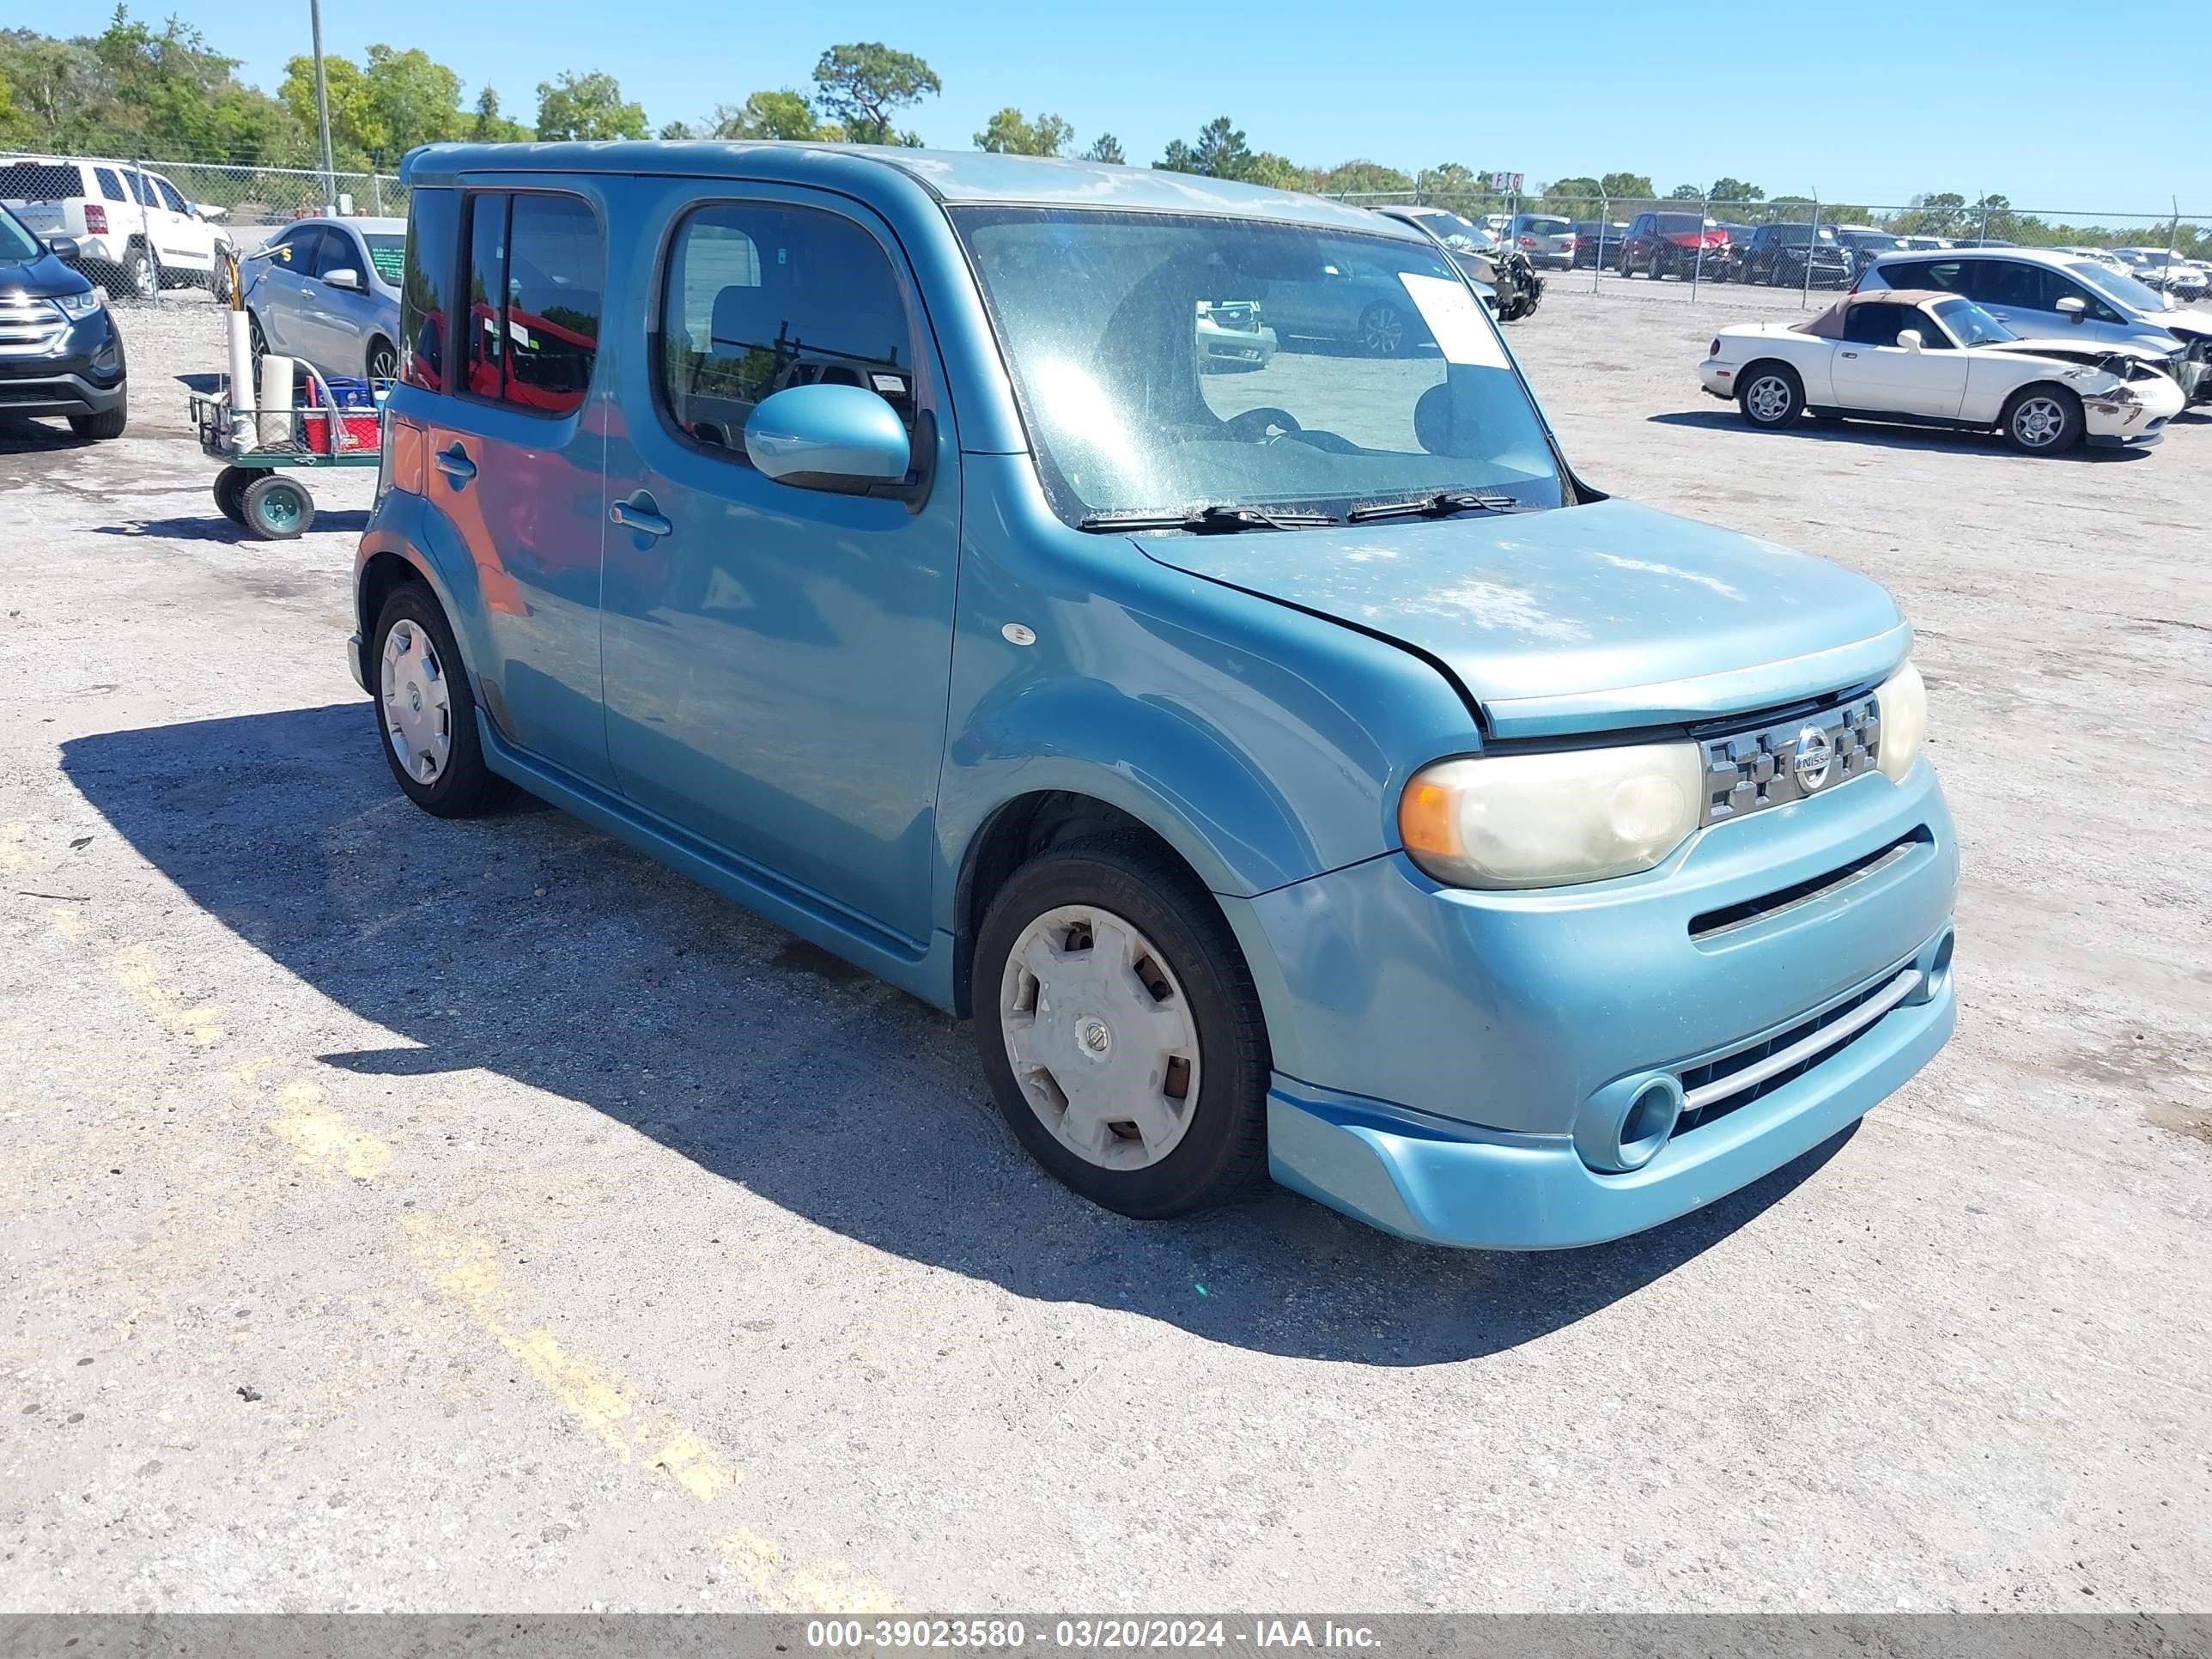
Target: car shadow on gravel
(528,946)
(213,527)
(20,436)
(1874,434)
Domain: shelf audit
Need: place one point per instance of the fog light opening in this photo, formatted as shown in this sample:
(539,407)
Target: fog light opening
(1649,1120)
(1937,973)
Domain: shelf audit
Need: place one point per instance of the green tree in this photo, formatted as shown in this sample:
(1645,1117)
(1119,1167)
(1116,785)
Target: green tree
(1734,190)
(782,113)
(1276,172)
(381,109)
(1451,178)
(1007,133)
(1105,148)
(1178,157)
(588,105)
(1578,195)
(488,126)
(864,84)
(1686,193)
(1369,178)
(1940,214)
(1627,187)
(1221,151)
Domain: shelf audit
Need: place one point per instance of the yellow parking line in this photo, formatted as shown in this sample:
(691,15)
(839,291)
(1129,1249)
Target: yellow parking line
(323,1139)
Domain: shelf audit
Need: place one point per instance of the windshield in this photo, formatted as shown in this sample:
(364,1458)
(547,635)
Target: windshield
(387,254)
(17,245)
(1458,231)
(1974,325)
(1672,224)
(2119,285)
(1386,379)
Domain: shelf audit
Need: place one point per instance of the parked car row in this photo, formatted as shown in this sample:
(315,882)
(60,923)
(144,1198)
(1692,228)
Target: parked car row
(133,230)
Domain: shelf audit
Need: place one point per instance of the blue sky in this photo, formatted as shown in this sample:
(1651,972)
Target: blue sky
(1971,98)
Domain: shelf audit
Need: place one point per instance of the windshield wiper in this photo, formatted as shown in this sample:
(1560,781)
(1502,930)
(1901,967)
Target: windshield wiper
(1441,505)
(1214,520)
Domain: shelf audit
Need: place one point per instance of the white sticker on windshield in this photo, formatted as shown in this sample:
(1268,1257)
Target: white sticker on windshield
(1456,319)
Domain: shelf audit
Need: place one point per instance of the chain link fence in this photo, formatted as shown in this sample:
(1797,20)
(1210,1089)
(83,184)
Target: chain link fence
(1800,244)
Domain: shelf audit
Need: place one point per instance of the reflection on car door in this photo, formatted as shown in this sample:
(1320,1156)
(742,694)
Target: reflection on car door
(518,458)
(778,659)
(1873,373)
(342,317)
(281,299)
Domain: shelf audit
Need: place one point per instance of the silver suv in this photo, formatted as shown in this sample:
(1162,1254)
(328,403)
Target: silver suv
(2045,295)
(1546,237)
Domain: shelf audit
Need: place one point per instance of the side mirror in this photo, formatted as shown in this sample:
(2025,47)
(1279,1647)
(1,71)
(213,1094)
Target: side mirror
(64,248)
(1910,339)
(827,437)
(344,277)
(2071,306)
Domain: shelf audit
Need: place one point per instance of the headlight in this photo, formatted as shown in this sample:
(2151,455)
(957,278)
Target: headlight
(1543,820)
(1902,704)
(78,305)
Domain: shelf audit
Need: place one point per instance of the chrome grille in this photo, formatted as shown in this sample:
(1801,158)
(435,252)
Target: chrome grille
(26,321)
(1719,1086)
(1775,764)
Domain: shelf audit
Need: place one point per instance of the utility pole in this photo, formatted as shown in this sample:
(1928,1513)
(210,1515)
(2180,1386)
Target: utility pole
(323,110)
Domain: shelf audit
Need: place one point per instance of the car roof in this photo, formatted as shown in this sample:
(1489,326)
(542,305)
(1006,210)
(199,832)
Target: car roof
(952,177)
(382,226)
(2030,256)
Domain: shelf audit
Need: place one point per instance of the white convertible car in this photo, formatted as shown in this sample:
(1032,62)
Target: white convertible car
(1929,359)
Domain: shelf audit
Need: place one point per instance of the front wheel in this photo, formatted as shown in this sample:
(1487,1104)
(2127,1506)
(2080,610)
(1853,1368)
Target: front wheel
(383,362)
(2043,420)
(1383,330)
(1119,1029)
(108,424)
(1771,396)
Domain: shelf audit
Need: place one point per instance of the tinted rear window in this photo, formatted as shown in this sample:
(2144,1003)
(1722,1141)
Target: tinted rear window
(110,187)
(1675,223)
(426,286)
(1546,227)
(39,181)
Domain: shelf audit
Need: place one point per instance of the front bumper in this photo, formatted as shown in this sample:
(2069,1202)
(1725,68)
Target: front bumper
(81,371)
(1450,1046)
(1229,349)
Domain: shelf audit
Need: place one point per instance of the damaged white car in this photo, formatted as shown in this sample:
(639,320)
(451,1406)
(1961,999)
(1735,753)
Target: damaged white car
(1928,358)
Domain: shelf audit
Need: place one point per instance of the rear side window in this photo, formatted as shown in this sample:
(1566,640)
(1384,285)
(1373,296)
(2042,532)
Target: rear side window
(426,286)
(537,267)
(140,189)
(759,298)
(40,181)
(110,187)
(1879,325)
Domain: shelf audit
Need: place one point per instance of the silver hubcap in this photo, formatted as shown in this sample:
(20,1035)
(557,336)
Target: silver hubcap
(1385,328)
(418,705)
(1100,1037)
(383,365)
(1768,398)
(2038,421)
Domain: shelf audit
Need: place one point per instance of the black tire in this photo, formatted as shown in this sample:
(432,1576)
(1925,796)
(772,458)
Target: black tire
(141,272)
(229,491)
(276,508)
(2043,420)
(108,425)
(381,361)
(1771,411)
(1385,330)
(465,787)
(1222,1150)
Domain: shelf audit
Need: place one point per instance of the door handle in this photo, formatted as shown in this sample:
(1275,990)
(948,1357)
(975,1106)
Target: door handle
(455,464)
(1847,354)
(637,514)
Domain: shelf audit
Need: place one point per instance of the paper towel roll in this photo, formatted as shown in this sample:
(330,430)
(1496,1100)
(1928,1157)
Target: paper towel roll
(275,401)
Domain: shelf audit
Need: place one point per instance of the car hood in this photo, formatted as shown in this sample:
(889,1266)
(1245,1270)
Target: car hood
(46,278)
(2183,324)
(1592,618)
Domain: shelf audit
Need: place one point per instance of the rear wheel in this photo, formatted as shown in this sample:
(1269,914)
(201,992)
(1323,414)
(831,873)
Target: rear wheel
(2043,420)
(230,491)
(140,273)
(1119,1029)
(1771,396)
(426,714)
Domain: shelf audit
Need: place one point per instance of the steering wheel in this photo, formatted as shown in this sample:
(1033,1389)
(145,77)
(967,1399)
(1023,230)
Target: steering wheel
(1252,425)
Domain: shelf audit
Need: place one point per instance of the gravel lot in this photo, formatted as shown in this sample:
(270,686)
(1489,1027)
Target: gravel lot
(407,1215)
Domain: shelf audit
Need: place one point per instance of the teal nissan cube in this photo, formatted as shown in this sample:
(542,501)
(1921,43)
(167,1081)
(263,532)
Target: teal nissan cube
(1287,761)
